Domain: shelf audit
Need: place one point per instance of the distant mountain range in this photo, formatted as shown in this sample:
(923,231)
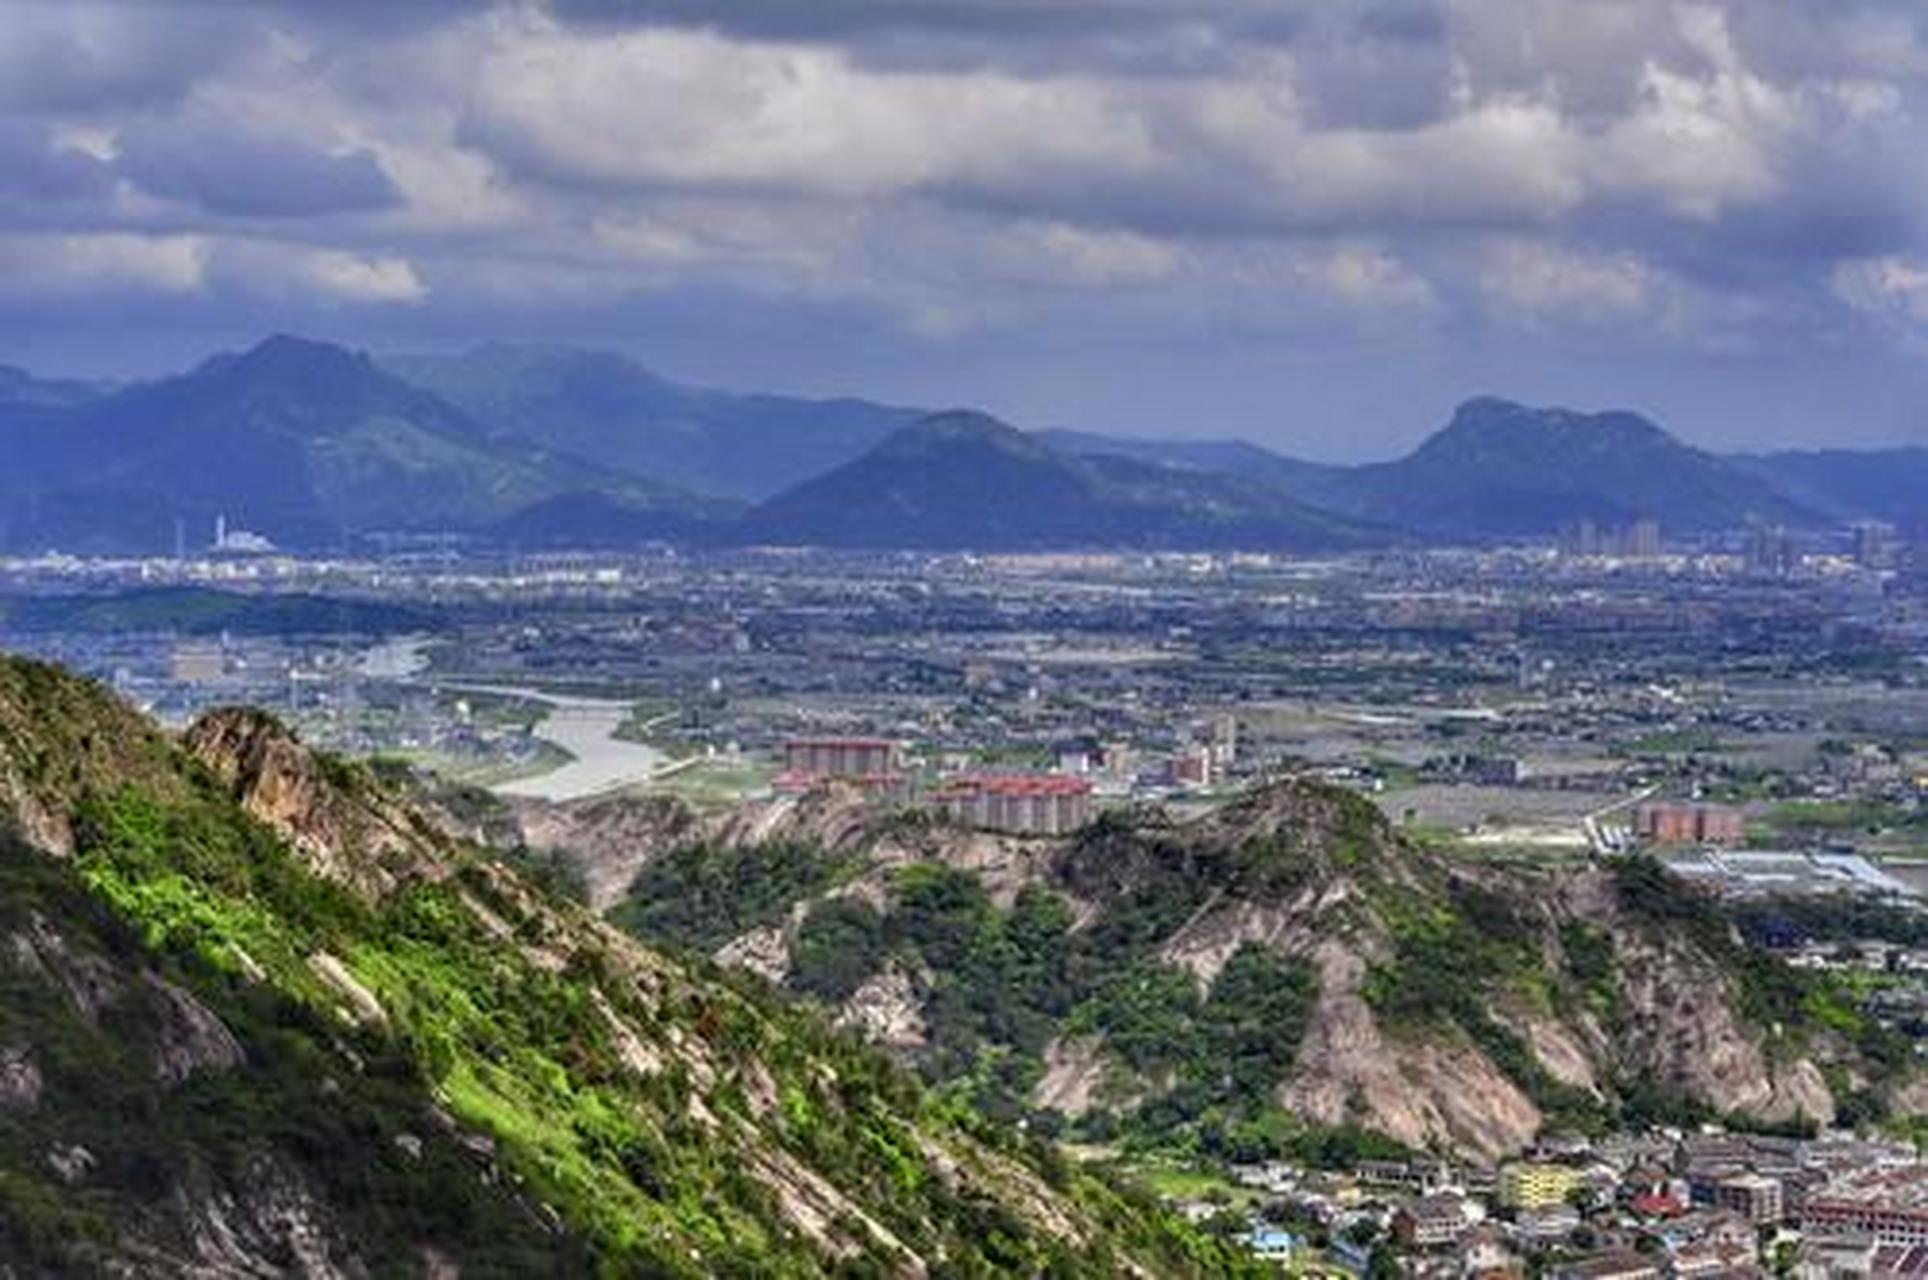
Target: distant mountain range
(963,479)
(22,390)
(1503,470)
(609,410)
(315,446)
(304,441)
(1846,485)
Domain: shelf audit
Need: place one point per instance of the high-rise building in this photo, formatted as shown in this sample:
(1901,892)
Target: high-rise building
(1643,540)
(1753,1196)
(1875,545)
(842,757)
(1771,552)
(1670,822)
(1224,740)
(1024,804)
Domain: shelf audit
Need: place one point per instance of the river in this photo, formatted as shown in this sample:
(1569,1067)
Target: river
(586,729)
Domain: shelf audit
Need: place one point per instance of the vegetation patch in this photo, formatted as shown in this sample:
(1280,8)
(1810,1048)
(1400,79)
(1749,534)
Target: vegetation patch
(701,896)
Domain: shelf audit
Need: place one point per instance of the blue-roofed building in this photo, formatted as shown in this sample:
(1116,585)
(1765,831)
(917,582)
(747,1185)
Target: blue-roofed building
(1271,1245)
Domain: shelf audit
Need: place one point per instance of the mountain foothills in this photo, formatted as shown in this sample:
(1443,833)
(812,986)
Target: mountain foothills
(316,446)
(261,1014)
(1285,976)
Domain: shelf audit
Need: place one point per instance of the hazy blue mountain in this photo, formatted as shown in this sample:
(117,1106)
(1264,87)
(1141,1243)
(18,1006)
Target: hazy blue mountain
(20,388)
(1846,484)
(543,446)
(591,518)
(28,403)
(965,480)
(1236,457)
(300,440)
(1501,469)
(608,409)
(1505,470)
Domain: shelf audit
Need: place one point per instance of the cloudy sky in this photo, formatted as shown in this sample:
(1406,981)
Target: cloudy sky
(1318,223)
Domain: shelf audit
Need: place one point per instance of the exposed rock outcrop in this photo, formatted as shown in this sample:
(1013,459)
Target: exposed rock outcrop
(187,1036)
(346,827)
(444,1067)
(1310,873)
(1421,1091)
(887,1009)
(20,1080)
(1075,1073)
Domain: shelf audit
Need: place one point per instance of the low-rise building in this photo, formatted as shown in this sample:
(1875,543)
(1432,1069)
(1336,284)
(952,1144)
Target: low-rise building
(1843,1257)
(1887,1202)
(1484,1255)
(1433,1222)
(1269,1245)
(1611,1266)
(1527,1184)
(1545,1228)
(1887,1222)
(1719,1228)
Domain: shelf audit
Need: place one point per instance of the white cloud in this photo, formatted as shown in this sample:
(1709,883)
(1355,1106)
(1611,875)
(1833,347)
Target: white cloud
(86,264)
(1364,276)
(1062,254)
(1689,133)
(279,272)
(1632,163)
(354,278)
(1891,288)
(1538,282)
(669,107)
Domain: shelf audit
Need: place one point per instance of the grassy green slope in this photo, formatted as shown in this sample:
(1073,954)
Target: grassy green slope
(663,1120)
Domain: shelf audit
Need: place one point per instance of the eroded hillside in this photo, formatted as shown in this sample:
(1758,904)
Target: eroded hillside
(1281,970)
(259,1015)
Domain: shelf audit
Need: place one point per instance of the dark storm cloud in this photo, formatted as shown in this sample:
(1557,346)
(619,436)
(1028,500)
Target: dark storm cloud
(858,19)
(99,60)
(229,171)
(35,169)
(1512,195)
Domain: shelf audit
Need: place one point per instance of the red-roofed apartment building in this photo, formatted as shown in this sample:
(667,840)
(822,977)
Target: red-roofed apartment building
(1026,804)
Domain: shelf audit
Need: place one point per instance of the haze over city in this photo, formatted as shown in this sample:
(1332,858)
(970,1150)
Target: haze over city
(1317,226)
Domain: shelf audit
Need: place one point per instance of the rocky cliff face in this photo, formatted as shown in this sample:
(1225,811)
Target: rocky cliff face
(344,827)
(357,1046)
(1465,1006)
